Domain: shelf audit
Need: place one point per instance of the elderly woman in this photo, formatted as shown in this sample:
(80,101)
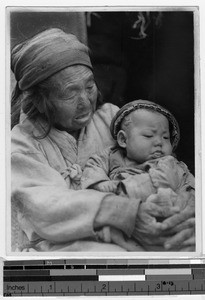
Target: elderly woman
(58,121)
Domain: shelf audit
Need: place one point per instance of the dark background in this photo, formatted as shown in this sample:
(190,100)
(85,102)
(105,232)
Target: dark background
(131,62)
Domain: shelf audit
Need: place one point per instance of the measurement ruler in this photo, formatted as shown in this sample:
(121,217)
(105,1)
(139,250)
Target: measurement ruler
(103,277)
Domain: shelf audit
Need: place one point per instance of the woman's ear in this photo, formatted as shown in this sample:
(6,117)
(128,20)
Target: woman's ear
(40,105)
(122,139)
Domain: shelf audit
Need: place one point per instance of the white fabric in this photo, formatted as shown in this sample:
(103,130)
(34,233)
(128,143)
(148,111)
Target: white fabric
(52,215)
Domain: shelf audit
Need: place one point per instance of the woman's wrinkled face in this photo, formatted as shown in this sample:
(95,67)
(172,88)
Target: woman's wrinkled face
(74,98)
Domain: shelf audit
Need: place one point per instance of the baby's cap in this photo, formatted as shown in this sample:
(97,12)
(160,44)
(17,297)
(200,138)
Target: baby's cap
(145,104)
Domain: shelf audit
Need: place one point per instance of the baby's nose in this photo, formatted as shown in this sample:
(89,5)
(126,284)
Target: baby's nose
(158,140)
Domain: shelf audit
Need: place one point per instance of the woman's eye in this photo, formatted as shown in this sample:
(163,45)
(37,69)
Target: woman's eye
(69,96)
(166,137)
(72,95)
(68,99)
(90,87)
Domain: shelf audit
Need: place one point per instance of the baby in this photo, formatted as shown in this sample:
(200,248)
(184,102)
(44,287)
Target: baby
(143,161)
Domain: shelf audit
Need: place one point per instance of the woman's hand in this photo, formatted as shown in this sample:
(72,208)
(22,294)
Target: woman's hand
(182,240)
(148,231)
(181,226)
(175,232)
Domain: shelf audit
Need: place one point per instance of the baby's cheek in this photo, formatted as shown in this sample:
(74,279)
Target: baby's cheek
(169,149)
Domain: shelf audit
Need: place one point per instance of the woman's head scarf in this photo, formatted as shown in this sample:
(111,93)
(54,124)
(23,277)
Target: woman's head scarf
(44,55)
(145,104)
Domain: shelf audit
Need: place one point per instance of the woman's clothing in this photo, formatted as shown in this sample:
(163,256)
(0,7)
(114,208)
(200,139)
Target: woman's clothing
(53,213)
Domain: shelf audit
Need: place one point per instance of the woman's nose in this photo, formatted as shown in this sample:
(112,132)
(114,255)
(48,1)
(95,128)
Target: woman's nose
(83,100)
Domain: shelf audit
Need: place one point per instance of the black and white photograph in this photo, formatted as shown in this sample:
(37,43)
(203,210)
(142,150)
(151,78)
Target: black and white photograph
(104,139)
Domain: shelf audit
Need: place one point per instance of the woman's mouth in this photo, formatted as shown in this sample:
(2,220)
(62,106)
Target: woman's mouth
(83,117)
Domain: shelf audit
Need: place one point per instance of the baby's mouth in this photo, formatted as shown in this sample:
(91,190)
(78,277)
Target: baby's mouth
(157,154)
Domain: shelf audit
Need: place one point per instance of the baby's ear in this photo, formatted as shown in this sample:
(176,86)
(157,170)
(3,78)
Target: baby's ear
(122,139)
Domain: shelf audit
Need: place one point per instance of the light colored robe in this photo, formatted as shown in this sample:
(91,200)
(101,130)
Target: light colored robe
(53,214)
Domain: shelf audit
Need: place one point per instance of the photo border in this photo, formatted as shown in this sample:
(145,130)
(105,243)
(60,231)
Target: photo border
(128,255)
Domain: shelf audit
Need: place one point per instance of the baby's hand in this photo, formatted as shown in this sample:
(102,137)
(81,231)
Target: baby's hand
(105,186)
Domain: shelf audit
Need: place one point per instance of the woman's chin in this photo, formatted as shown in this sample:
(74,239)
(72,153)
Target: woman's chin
(83,121)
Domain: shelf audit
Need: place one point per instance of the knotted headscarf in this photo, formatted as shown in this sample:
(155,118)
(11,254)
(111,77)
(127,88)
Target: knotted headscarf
(145,104)
(44,55)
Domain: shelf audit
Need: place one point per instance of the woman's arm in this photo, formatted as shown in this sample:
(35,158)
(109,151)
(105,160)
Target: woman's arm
(52,211)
